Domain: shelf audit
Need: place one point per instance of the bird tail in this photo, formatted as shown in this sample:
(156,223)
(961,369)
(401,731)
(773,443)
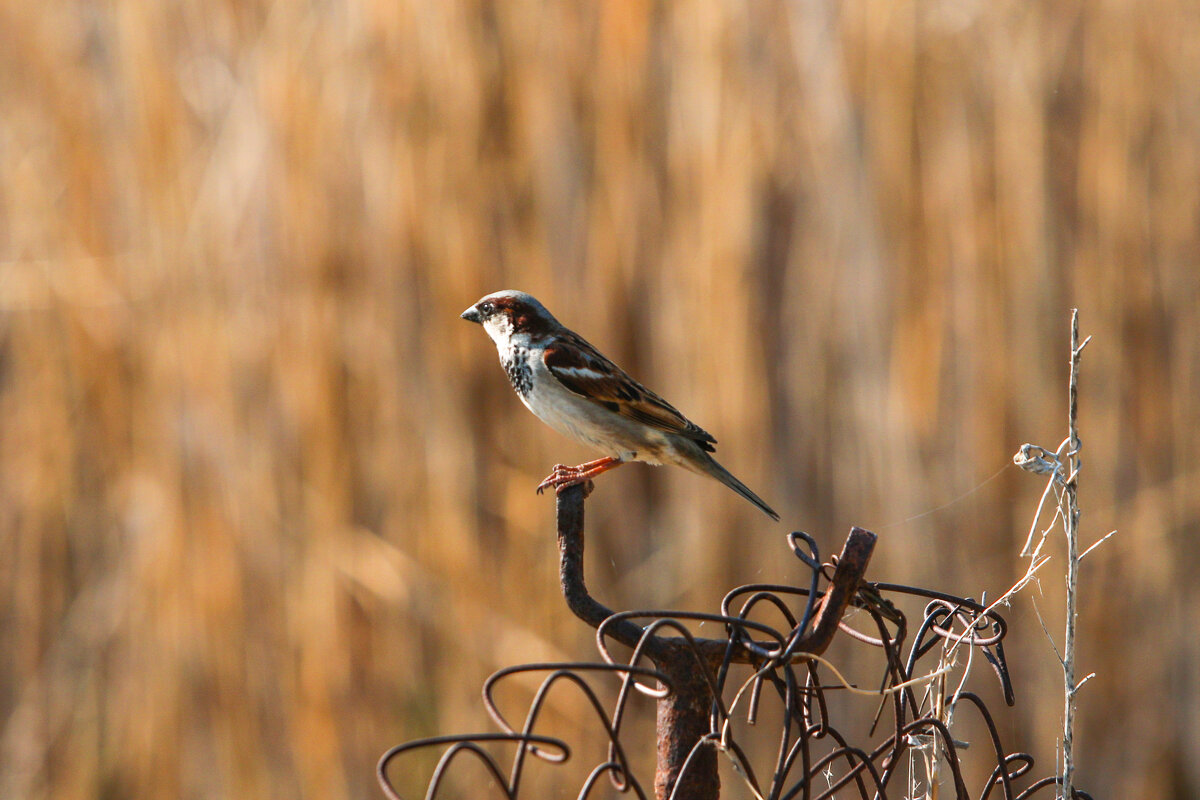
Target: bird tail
(726,477)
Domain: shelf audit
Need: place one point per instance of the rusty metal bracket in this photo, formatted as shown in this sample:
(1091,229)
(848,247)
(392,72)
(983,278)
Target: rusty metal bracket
(684,712)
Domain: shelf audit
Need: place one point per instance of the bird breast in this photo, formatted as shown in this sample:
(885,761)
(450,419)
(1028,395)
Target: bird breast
(580,418)
(517,366)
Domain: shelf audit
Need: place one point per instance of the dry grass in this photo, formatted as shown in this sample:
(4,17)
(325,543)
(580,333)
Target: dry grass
(266,504)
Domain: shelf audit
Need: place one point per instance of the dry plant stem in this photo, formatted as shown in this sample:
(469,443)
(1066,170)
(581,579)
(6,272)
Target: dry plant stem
(933,765)
(1071,524)
(1063,466)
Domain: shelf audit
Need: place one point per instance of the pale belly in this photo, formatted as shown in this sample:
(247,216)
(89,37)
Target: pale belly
(588,423)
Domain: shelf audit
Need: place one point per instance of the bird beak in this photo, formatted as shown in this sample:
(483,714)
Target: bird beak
(471,315)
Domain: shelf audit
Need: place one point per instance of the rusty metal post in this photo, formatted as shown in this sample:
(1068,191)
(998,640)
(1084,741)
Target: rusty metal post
(683,722)
(847,575)
(684,716)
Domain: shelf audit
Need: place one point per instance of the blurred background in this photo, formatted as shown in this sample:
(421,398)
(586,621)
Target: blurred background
(266,503)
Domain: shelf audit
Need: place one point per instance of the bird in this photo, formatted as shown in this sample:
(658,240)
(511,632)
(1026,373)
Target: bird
(570,386)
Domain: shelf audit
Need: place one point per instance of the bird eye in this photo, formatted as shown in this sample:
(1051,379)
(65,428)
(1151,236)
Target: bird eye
(486,308)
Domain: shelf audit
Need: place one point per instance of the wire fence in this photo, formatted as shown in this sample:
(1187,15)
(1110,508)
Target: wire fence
(700,694)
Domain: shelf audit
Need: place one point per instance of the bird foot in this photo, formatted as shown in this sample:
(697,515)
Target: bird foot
(564,476)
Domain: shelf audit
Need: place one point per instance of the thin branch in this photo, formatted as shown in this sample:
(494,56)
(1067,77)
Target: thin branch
(1096,544)
(1071,524)
(1063,468)
(1049,637)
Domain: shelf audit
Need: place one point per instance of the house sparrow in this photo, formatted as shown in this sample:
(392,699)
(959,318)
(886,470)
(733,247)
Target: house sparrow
(578,392)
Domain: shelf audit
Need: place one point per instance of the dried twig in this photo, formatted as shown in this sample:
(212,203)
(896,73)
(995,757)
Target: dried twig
(1063,466)
(1071,525)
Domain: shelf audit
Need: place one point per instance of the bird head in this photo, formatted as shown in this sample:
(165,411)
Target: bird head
(510,313)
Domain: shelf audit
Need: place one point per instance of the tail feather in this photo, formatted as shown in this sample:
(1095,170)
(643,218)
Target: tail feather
(726,477)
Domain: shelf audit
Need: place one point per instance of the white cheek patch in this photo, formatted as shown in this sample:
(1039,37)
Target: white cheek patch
(498,327)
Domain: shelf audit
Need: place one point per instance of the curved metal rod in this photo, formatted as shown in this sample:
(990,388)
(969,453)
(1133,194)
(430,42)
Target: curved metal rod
(461,743)
(557,675)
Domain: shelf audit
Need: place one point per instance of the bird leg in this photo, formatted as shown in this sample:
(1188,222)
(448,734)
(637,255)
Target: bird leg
(564,476)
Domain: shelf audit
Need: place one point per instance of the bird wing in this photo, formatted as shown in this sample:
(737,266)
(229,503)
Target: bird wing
(580,368)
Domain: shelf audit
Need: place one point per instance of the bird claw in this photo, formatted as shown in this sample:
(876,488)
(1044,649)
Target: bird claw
(562,477)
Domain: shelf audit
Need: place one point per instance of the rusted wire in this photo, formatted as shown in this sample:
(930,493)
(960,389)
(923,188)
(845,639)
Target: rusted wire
(814,759)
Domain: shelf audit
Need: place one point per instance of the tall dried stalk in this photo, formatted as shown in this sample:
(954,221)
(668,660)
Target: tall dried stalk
(1071,524)
(1063,467)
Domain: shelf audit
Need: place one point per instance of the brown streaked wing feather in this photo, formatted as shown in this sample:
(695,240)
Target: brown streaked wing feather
(580,368)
